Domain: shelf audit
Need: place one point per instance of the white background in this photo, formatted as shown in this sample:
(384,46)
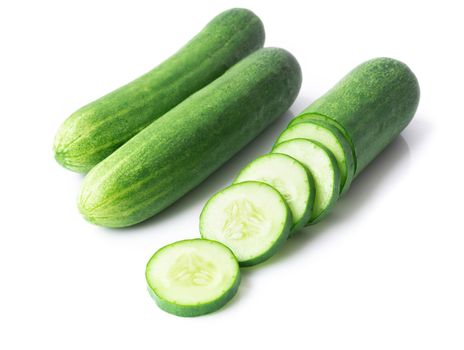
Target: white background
(384,271)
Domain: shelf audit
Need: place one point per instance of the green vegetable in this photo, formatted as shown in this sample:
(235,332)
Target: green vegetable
(290,178)
(373,104)
(179,150)
(192,277)
(251,218)
(322,165)
(96,130)
(330,137)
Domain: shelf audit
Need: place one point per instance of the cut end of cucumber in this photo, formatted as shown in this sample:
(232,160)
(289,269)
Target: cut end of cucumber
(192,277)
(251,218)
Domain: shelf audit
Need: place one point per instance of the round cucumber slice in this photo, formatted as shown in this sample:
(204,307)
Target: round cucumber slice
(192,277)
(251,218)
(322,165)
(290,178)
(323,118)
(330,137)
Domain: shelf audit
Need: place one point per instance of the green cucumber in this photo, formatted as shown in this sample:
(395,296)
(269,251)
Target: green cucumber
(373,104)
(330,137)
(322,165)
(179,150)
(290,178)
(96,130)
(251,218)
(192,277)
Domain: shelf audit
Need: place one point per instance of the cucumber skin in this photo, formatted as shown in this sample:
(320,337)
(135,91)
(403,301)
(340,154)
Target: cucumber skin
(201,309)
(374,103)
(179,150)
(93,132)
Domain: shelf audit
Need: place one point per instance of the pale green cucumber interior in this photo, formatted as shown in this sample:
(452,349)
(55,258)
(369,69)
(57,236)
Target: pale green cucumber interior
(248,217)
(317,159)
(287,176)
(192,272)
(323,135)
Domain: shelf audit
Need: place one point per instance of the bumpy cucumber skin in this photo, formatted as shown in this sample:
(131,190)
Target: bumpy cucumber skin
(336,183)
(286,227)
(93,132)
(347,150)
(307,214)
(198,309)
(373,103)
(179,150)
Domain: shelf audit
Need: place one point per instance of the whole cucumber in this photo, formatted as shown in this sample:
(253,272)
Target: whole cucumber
(179,150)
(373,103)
(96,130)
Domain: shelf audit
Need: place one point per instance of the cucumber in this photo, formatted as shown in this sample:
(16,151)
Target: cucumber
(251,218)
(192,277)
(93,132)
(290,178)
(179,150)
(330,137)
(322,165)
(373,103)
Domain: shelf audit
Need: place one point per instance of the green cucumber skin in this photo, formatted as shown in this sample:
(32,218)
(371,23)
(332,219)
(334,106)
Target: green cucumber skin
(179,150)
(373,103)
(201,309)
(93,132)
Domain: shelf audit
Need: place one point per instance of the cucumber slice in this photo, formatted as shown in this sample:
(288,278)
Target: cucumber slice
(330,137)
(192,277)
(251,218)
(290,178)
(322,165)
(305,117)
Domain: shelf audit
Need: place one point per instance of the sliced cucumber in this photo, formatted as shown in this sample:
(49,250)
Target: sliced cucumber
(192,277)
(251,218)
(304,117)
(330,137)
(290,178)
(322,165)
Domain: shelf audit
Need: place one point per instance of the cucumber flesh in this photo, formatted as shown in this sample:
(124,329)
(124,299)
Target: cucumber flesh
(192,277)
(314,117)
(251,218)
(290,178)
(330,137)
(322,165)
